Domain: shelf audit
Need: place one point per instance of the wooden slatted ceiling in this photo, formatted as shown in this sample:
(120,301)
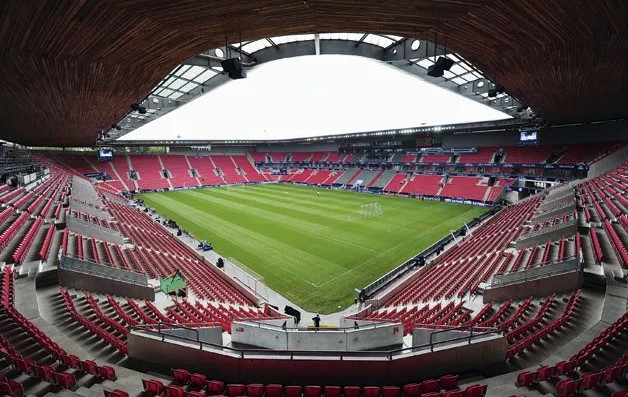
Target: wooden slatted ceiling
(70,68)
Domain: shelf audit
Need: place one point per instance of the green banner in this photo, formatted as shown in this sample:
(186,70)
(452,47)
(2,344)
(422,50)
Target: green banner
(172,284)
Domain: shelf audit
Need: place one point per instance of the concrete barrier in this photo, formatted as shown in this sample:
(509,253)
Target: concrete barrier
(541,281)
(75,273)
(94,230)
(568,228)
(569,208)
(365,337)
(342,368)
(88,209)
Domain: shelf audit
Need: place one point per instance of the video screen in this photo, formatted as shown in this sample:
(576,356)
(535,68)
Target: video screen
(528,137)
(105,154)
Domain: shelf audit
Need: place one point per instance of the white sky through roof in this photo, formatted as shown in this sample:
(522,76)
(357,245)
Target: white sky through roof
(313,96)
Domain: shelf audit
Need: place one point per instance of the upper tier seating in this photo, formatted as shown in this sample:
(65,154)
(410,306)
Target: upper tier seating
(334,157)
(434,158)
(527,154)
(149,169)
(206,171)
(483,155)
(320,177)
(582,153)
(465,187)
(228,168)
(319,156)
(277,157)
(396,183)
(258,157)
(251,173)
(179,169)
(423,184)
(300,156)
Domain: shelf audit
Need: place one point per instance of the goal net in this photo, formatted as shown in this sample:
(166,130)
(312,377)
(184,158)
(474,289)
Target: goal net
(371,210)
(254,281)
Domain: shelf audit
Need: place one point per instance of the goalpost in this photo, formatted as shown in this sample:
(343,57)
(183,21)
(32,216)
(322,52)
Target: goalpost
(248,277)
(371,210)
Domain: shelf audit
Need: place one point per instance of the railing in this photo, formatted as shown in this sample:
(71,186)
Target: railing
(94,229)
(474,335)
(568,265)
(426,253)
(573,222)
(260,324)
(90,267)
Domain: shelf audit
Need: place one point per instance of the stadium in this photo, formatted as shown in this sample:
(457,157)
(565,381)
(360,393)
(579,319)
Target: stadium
(313,198)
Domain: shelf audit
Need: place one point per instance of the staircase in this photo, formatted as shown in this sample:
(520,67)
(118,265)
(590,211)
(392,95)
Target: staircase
(115,171)
(90,164)
(405,183)
(442,185)
(128,160)
(487,194)
(187,161)
(216,170)
(161,164)
(238,169)
(376,178)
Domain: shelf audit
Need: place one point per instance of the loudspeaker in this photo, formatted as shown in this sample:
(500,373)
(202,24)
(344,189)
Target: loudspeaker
(437,69)
(234,68)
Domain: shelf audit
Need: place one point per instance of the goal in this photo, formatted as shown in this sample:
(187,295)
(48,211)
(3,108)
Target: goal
(252,280)
(371,210)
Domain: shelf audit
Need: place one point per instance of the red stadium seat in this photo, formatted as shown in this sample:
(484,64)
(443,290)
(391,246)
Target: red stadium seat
(391,391)
(448,382)
(153,387)
(44,372)
(430,385)
(351,391)
(565,367)
(567,387)
(65,380)
(454,393)
(312,391)
(273,390)
(612,374)
(175,391)
(70,361)
(371,391)
(257,390)
(526,378)
(235,389)
(181,376)
(545,372)
(292,391)
(475,391)
(411,390)
(106,372)
(332,391)
(591,380)
(215,387)
(198,381)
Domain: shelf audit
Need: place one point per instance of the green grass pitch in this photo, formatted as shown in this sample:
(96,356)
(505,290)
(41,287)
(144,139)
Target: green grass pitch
(312,248)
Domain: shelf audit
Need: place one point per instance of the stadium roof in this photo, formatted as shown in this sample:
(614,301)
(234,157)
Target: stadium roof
(70,69)
(201,74)
(304,97)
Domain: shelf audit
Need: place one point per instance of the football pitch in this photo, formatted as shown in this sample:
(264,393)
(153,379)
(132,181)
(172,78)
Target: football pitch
(311,245)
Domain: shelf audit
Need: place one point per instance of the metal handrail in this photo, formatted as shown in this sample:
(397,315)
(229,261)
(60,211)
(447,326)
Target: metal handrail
(96,272)
(532,274)
(386,354)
